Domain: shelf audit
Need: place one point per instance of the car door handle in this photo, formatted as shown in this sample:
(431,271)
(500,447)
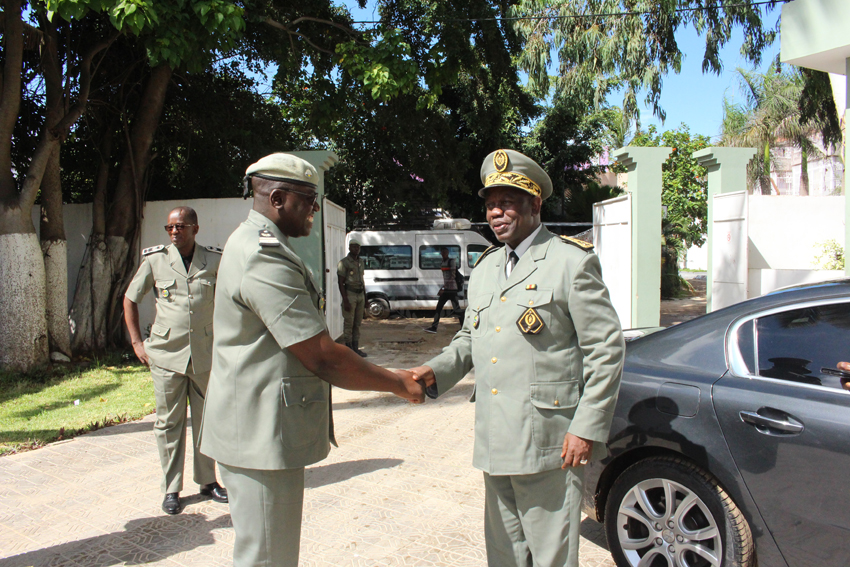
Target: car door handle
(787,425)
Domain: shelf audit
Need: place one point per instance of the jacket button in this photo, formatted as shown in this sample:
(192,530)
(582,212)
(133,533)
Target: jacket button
(557,403)
(190,297)
(493,360)
(498,329)
(191,330)
(495,391)
(303,399)
(504,298)
(531,303)
(191,312)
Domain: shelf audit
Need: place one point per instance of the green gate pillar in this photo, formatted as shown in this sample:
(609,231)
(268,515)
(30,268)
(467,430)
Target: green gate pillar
(310,248)
(727,173)
(644,184)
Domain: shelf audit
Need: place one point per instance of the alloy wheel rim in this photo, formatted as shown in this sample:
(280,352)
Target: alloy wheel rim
(652,533)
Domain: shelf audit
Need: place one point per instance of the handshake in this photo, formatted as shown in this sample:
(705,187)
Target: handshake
(413,382)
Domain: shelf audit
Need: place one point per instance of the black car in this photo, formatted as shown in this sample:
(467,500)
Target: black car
(731,440)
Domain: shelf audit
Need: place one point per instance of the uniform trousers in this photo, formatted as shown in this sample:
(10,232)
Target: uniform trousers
(533,520)
(354,316)
(265,508)
(172,390)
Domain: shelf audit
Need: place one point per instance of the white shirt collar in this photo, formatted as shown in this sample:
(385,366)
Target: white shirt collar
(524,245)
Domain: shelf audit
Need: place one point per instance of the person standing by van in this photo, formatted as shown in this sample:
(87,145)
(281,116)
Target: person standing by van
(349,273)
(449,291)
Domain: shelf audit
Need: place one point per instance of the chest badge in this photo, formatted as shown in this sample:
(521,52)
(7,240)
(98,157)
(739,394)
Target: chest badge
(531,286)
(530,322)
(321,304)
(164,293)
(475,322)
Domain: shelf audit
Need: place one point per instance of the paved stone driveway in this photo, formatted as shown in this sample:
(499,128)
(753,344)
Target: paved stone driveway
(400,490)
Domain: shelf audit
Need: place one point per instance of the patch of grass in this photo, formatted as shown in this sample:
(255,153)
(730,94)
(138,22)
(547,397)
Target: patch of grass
(38,408)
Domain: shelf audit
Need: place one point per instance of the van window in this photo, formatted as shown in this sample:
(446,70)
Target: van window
(473,252)
(430,258)
(387,257)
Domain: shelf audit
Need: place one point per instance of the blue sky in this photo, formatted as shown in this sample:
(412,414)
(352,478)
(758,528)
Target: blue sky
(691,96)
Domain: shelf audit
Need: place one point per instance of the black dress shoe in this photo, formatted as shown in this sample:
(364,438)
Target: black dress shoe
(171,504)
(215,491)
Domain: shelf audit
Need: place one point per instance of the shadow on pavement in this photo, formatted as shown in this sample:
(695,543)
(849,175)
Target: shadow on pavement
(594,532)
(143,540)
(314,477)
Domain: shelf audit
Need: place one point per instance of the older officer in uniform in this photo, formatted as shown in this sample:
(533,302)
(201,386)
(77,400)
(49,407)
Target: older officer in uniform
(268,403)
(179,350)
(547,349)
(349,273)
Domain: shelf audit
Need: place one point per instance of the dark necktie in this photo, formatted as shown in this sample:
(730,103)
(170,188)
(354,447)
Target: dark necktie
(512,260)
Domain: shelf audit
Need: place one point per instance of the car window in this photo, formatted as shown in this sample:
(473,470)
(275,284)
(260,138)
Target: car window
(473,252)
(430,258)
(747,346)
(803,345)
(387,257)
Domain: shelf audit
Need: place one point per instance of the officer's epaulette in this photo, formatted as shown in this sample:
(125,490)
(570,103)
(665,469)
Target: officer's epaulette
(491,249)
(267,238)
(153,249)
(215,249)
(586,246)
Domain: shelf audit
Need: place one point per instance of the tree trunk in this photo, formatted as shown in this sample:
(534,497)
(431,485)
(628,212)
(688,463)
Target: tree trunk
(765,174)
(23,331)
(804,172)
(54,245)
(122,224)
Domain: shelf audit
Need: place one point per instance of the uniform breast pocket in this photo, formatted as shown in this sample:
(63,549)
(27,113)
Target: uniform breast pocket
(207,288)
(165,290)
(480,306)
(554,406)
(304,411)
(534,310)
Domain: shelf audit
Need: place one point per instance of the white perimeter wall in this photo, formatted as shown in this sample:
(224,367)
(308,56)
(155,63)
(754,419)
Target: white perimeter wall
(612,240)
(217,218)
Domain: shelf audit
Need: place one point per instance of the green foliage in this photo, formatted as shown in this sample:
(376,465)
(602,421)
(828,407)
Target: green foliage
(176,32)
(601,54)
(829,256)
(685,187)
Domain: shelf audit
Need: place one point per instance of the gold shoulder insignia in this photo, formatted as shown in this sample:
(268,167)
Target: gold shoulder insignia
(268,239)
(586,246)
(153,249)
(492,248)
(215,249)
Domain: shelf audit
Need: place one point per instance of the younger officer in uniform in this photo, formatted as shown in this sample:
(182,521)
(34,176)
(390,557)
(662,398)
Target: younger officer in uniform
(349,273)
(547,349)
(269,402)
(179,350)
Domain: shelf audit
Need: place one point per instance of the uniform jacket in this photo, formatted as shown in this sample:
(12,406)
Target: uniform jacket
(264,409)
(352,270)
(531,389)
(183,327)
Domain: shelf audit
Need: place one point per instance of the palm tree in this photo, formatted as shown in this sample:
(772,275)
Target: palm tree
(769,116)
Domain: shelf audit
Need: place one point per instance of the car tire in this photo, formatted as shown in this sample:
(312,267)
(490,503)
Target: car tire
(705,528)
(378,307)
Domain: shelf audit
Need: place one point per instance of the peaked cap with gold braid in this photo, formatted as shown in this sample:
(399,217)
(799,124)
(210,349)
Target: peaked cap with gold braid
(507,168)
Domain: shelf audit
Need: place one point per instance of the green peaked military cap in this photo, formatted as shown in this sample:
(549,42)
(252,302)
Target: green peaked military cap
(509,168)
(285,167)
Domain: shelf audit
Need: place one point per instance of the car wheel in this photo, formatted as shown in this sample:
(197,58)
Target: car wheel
(378,307)
(665,511)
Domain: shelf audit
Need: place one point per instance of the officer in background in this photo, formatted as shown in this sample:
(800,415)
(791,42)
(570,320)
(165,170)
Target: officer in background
(269,402)
(349,273)
(547,349)
(179,350)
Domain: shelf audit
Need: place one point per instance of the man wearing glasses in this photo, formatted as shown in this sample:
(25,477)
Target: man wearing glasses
(179,349)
